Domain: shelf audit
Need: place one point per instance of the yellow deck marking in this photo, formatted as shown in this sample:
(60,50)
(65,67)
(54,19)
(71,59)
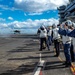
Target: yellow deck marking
(72,67)
(60,59)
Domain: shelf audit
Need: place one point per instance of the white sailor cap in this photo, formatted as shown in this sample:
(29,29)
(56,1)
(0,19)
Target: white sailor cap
(54,26)
(42,26)
(69,22)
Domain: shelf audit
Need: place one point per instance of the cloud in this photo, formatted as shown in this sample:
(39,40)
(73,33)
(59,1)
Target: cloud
(38,5)
(2,19)
(5,7)
(34,6)
(35,14)
(28,26)
(32,24)
(59,2)
(3,25)
(10,18)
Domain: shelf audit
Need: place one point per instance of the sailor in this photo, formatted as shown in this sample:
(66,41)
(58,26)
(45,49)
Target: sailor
(72,34)
(43,37)
(63,30)
(49,39)
(56,39)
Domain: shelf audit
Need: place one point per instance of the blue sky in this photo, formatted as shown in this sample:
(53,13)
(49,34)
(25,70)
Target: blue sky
(28,15)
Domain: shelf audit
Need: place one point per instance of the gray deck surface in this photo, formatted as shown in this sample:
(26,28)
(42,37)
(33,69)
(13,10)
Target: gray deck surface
(19,56)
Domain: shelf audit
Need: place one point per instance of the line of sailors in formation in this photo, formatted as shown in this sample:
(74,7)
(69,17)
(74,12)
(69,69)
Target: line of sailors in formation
(64,33)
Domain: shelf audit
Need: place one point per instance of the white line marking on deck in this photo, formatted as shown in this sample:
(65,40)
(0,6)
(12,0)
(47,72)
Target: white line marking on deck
(39,66)
(40,57)
(38,71)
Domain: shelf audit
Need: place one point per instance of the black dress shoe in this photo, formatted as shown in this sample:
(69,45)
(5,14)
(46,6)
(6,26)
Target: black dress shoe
(44,48)
(64,63)
(48,49)
(67,64)
(40,49)
(73,60)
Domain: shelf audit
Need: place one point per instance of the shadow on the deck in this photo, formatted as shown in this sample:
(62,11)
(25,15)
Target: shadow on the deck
(23,69)
(24,50)
(47,52)
(54,65)
(29,57)
(28,48)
